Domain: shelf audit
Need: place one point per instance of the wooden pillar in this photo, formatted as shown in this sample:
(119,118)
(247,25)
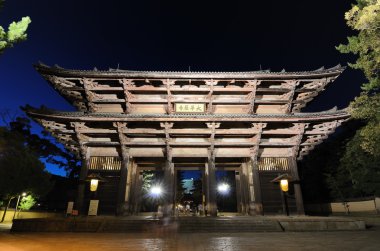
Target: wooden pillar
(169,176)
(210,172)
(256,204)
(257,207)
(169,188)
(238,192)
(297,186)
(175,188)
(211,188)
(244,188)
(250,188)
(133,188)
(204,188)
(122,196)
(122,207)
(300,129)
(80,203)
(139,183)
(128,188)
(85,155)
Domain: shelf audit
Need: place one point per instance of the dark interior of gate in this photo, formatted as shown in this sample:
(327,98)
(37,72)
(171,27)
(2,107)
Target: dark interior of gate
(235,174)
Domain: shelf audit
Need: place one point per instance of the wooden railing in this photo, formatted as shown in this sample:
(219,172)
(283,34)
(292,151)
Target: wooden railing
(273,164)
(102,163)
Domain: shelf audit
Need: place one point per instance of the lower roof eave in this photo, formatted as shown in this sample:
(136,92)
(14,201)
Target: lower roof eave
(80,116)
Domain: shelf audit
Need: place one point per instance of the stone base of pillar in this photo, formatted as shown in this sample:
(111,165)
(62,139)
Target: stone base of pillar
(123,209)
(168,210)
(212,210)
(256,209)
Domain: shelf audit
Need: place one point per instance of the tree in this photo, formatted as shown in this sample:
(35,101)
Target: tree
(20,169)
(16,32)
(44,146)
(180,187)
(361,159)
(21,151)
(324,173)
(197,191)
(27,203)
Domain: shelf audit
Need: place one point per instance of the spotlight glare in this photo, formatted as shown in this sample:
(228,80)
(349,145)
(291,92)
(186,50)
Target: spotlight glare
(155,191)
(223,188)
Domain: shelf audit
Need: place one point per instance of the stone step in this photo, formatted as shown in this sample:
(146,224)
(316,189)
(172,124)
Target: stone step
(193,225)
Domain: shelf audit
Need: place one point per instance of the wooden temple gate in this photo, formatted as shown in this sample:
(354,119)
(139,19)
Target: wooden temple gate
(253,186)
(129,121)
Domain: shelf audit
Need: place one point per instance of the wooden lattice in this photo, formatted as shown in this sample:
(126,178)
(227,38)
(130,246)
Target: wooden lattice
(105,163)
(273,164)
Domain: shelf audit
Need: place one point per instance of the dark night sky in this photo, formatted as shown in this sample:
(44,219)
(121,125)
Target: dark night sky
(173,35)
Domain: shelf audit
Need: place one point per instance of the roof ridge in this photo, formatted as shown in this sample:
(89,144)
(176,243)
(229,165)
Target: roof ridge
(57,68)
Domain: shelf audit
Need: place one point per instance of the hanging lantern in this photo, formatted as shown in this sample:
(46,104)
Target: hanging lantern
(94,180)
(284,184)
(94,185)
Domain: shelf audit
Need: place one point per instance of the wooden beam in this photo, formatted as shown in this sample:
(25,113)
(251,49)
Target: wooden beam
(128,96)
(168,83)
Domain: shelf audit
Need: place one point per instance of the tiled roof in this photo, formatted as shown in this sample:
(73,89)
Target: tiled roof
(184,74)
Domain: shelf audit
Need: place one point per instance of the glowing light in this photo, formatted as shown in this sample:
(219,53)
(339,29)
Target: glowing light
(284,184)
(155,191)
(223,188)
(94,185)
(23,194)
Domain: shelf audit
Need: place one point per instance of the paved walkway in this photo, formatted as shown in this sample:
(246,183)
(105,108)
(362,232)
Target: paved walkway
(362,240)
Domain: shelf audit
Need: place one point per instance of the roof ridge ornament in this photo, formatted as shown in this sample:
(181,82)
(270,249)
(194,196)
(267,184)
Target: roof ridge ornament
(320,69)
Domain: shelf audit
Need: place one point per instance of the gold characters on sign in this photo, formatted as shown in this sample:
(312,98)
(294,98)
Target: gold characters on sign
(183,107)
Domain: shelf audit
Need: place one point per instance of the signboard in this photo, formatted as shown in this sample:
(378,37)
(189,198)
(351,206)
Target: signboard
(93,208)
(70,206)
(189,107)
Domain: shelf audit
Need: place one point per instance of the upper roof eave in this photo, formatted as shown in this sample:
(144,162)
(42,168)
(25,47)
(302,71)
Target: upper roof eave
(58,71)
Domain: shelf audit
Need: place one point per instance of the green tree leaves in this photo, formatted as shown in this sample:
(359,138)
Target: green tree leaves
(360,163)
(16,33)
(20,169)
(26,203)
(17,30)
(365,18)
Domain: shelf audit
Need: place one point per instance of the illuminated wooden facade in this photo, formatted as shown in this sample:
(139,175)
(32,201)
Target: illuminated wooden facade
(247,122)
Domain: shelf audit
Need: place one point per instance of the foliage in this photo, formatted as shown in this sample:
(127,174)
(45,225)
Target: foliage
(27,202)
(361,159)
(365,18)
(325,175)
(355,169)
(365,170)
(148,177)
(180,186)
(197,191)
(20,170)
(45,147)
(16,32)
(367,108)
(147,204)
(21,151)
